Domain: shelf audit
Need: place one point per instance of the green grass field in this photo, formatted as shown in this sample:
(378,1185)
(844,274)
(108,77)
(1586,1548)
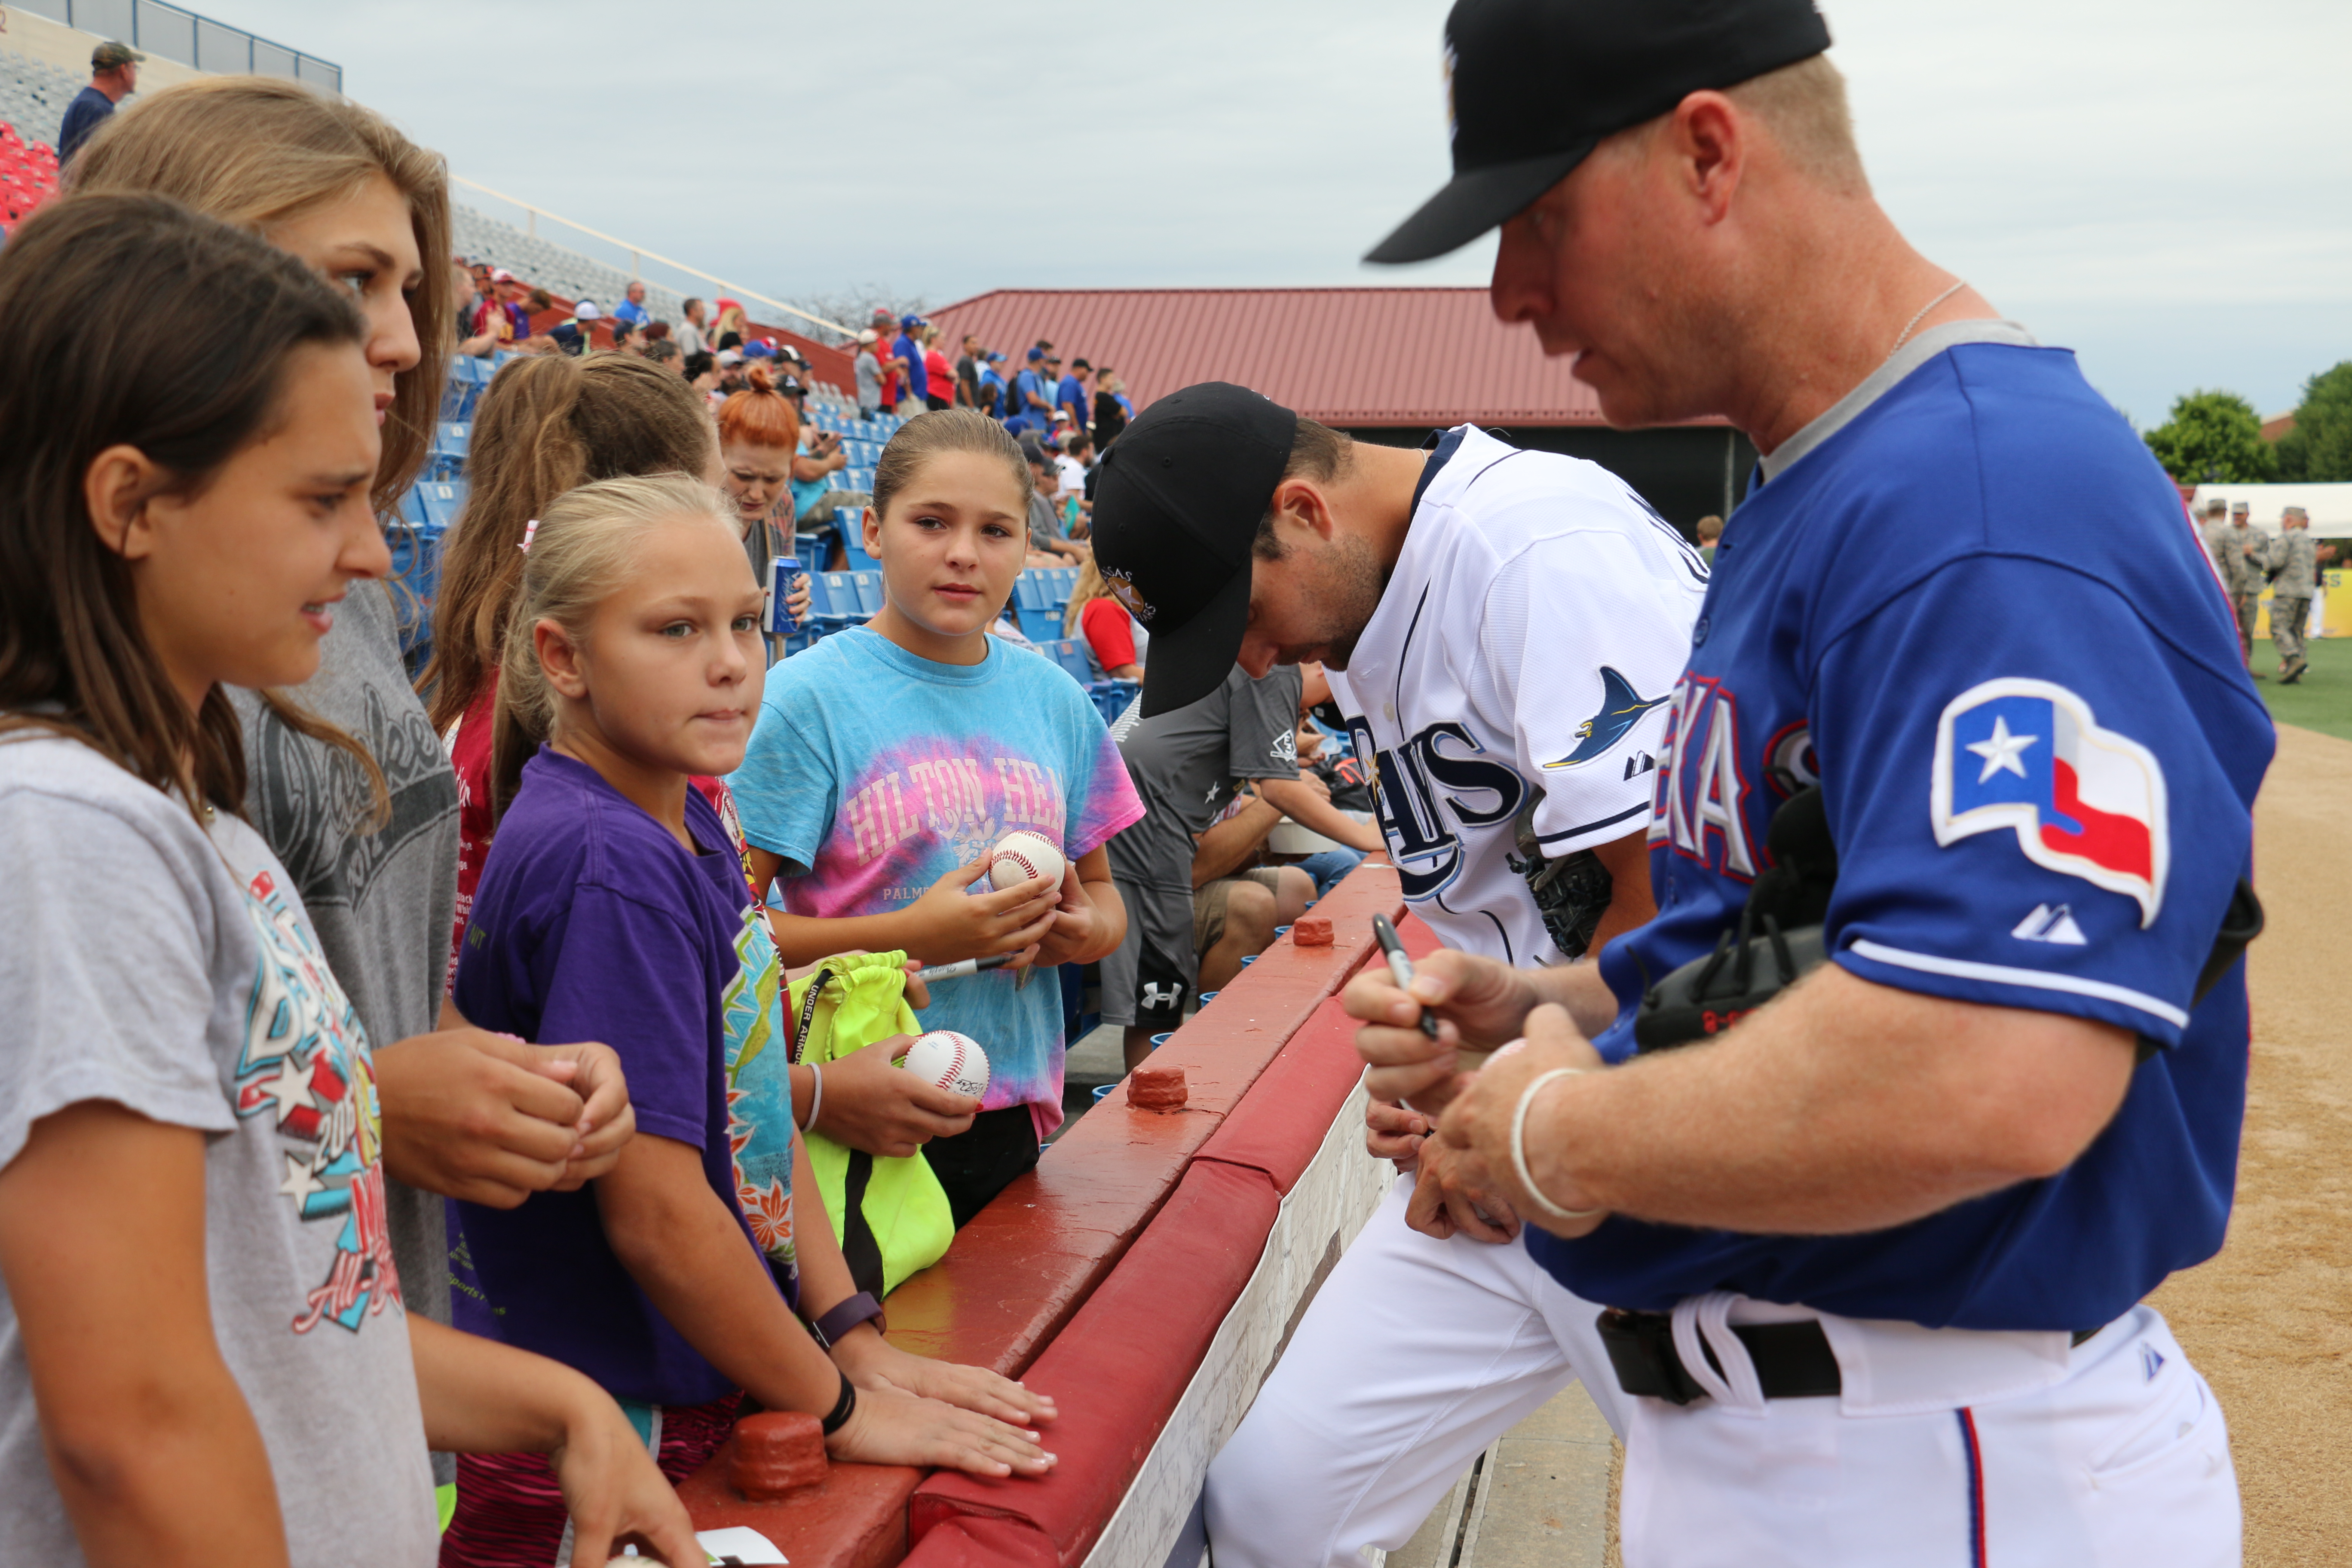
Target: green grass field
(2322,700)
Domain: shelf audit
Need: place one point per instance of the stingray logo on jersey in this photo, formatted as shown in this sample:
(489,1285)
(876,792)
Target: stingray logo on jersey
(1621,708)
(2084,802)
(1421,786)
(1701,804)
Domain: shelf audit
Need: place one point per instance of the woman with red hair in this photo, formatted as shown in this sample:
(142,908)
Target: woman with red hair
(759,436)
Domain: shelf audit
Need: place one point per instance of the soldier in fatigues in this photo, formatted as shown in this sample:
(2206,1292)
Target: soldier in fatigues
(2245,567)
(2295,576)
(2215,532)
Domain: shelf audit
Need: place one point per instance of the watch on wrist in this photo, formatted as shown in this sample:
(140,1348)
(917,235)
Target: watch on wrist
(850,1312)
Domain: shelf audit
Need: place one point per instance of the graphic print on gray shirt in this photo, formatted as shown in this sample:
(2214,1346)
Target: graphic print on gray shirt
(1185,763)
(382,903)
(211,1006)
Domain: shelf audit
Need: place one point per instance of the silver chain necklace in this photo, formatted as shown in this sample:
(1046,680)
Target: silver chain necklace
(1909,325)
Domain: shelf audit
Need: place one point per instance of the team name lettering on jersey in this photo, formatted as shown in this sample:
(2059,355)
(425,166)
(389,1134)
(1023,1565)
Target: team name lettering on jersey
(2087,802)
(1700,807)
(1422,786)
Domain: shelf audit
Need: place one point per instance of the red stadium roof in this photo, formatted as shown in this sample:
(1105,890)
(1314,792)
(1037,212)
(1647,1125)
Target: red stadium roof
(1343,356)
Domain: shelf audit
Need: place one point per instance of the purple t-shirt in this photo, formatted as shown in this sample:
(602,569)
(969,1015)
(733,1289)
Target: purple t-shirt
(593,923)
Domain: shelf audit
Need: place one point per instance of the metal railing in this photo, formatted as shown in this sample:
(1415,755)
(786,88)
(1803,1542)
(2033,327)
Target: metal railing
(639,256)
(173,33)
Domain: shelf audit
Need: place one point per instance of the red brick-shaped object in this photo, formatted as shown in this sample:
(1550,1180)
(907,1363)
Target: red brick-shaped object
(1156,1088)
(777,1452)
(1311,931)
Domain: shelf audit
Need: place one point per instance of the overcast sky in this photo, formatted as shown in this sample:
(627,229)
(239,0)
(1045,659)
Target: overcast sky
(2165,185)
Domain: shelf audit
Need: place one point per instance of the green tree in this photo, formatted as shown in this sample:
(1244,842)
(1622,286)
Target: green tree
(2214,435)
(2319,448)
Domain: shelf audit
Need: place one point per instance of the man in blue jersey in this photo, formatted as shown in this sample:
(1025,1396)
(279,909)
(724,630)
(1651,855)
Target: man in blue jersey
(905,347)
(1876,1200)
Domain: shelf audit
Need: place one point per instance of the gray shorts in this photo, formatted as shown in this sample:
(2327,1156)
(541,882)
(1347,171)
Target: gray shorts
(1152,974)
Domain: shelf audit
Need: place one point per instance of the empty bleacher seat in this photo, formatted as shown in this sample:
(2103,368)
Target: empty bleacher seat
(440,501)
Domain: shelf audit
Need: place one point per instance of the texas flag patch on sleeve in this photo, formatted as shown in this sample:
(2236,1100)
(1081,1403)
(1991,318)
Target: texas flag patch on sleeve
(2084,802)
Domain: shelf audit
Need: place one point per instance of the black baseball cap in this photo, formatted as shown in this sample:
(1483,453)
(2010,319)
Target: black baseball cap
(1178,499)
(1533,86)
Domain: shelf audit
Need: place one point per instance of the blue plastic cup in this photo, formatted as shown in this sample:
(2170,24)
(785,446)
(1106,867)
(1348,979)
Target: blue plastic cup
(1159,1040)
(1102,1091)
(1282,930)
(1205,997)
(1250,959)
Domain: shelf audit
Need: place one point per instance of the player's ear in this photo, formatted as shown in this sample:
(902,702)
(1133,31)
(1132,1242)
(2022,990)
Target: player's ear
(1303,503)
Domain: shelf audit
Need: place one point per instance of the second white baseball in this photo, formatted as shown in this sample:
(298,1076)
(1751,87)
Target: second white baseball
(1021,856)
(949,1061)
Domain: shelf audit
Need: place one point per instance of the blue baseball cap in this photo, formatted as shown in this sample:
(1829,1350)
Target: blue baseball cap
(758,348)
(1035,355)
(910,320)
(994,357)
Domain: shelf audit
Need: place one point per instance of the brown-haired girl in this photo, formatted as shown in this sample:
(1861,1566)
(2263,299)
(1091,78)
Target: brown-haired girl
(632,664)
(334,186)
(209,1355)
(888,761)
(544,426)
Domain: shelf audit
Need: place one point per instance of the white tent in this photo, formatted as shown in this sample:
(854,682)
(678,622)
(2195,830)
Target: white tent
(2330,506)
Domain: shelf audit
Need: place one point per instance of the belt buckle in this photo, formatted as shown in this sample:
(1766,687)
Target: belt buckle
(1641,1352)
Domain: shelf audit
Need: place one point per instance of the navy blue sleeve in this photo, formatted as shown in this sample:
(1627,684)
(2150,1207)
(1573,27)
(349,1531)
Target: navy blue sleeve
(2029,789)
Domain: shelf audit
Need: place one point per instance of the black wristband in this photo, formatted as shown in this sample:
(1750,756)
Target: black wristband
(846,1315)
(843,1408)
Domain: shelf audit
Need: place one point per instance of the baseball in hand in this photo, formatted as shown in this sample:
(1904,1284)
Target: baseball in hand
(1018,857)
(949,1061)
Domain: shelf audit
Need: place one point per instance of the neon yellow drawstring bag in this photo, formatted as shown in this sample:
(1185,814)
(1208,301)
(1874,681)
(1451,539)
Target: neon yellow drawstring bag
(891,1215)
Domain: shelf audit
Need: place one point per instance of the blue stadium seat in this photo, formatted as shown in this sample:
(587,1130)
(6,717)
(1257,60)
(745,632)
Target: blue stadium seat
(416,578)
(833,601)
(814,549)
(1111,697)
(1038,620)
(1071,654)
(450,438)
(440,500)
(868,588)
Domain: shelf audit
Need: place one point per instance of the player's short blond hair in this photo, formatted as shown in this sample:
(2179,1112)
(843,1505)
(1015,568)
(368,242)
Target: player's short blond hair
(1804,107)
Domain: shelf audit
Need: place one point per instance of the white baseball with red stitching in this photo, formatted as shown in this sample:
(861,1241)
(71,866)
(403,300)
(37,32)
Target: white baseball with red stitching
(1021,856)
(949,1061)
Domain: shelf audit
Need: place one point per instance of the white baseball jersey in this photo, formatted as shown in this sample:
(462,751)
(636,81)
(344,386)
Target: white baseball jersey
(1521,656)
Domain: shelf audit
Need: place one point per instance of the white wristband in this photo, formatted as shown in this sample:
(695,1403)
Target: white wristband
(816,1095)
(1519,1148)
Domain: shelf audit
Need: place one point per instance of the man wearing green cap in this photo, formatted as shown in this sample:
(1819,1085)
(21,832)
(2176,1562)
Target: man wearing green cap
(113,77)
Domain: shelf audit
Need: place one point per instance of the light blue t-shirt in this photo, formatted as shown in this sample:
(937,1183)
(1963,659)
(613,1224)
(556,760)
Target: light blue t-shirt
(873,772)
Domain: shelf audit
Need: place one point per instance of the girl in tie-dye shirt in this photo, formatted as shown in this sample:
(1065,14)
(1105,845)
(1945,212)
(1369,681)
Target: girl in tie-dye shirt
(888,761)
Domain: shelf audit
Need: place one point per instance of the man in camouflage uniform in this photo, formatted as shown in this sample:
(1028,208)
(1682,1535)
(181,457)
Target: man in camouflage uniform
(2294,574)
(2245,568)
(2214,530)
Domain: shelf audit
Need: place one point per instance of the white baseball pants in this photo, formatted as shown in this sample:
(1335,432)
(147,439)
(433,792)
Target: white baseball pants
(2118,1458)
(1414,1355)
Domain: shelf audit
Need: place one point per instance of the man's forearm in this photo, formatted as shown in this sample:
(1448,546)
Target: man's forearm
(1311,809)
(1843,1107)
(1227,844)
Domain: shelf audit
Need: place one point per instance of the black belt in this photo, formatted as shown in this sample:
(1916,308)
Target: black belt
(1793,1361)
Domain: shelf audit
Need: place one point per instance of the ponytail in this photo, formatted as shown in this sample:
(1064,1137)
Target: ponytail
(759,415)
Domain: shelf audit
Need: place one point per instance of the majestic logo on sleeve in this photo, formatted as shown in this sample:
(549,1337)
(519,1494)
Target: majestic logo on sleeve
(1621,708)
(2084,802)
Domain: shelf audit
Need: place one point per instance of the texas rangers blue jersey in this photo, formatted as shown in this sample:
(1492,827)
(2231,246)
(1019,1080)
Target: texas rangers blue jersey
(1962,603)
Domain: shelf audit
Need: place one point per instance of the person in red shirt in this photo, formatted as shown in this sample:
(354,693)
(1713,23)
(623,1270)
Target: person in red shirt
(939,376)
(1116,638)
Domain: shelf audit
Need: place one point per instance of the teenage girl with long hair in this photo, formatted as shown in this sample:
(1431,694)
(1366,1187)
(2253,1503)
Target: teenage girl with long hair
(465,1113)
(888,761)
(208,1354)
(631,663)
